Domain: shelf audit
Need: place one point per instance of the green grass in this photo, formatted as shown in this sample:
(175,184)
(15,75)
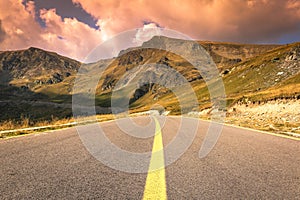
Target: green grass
(252,79)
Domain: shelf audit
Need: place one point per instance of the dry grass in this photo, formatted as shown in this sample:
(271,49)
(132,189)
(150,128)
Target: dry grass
(53,124)
(276,116)
(26,122)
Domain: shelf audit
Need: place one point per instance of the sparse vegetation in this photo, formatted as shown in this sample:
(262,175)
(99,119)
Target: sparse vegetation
(278,116)
(251,73)
(52,124)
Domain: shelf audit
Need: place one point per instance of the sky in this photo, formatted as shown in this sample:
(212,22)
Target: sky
(74,27)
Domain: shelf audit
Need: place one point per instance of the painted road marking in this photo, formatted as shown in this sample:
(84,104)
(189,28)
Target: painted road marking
(155,187)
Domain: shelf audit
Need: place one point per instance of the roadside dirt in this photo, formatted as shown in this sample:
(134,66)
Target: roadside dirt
(276,116)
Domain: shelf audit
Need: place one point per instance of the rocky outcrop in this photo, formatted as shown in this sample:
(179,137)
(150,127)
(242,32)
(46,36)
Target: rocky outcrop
(35,64)
(227,54)
(294,54)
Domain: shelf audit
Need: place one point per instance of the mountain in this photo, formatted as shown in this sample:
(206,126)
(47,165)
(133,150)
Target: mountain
(34,66)
(40,82)
(231,59)
(271,75)
(23,74)
(227,54)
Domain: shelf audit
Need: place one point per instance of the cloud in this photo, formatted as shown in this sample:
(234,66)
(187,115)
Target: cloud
(66,36)
(69,35)
(146,33)
(18,24)
(222,20)
(228,20)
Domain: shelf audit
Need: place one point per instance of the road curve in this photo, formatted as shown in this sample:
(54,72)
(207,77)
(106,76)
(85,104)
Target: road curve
(243,164)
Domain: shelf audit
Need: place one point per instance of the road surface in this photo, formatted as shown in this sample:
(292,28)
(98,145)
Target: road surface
(243,164)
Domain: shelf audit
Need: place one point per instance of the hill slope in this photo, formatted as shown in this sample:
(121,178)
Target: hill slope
(23,73)
(250,73)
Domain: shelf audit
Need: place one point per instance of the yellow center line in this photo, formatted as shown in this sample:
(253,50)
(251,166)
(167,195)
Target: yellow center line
(155,187)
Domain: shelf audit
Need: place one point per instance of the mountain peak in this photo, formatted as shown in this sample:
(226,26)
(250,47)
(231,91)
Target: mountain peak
(35,49)
(158,40)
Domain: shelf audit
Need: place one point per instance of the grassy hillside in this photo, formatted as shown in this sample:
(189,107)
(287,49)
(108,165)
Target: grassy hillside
(271,75)
(39,84)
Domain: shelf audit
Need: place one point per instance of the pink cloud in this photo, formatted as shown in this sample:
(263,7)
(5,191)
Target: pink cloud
(229,20)
(66,36)
(18,24)
(224,20)
(69,35)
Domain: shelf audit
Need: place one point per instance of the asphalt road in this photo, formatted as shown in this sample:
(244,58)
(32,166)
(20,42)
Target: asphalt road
(243,164)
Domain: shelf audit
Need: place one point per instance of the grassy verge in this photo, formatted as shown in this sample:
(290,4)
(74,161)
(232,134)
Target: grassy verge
(12,128)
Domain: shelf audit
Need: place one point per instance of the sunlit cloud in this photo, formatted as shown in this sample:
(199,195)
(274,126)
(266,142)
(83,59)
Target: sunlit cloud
(227,20)
(146,33)
(66,36)
(249,21)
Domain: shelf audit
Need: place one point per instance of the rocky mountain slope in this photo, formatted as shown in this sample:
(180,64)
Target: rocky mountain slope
(34,66)
(271,75)
(23,73)
(226,54)
(251,73)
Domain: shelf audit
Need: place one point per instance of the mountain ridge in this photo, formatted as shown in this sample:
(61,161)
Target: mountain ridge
(242,70)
